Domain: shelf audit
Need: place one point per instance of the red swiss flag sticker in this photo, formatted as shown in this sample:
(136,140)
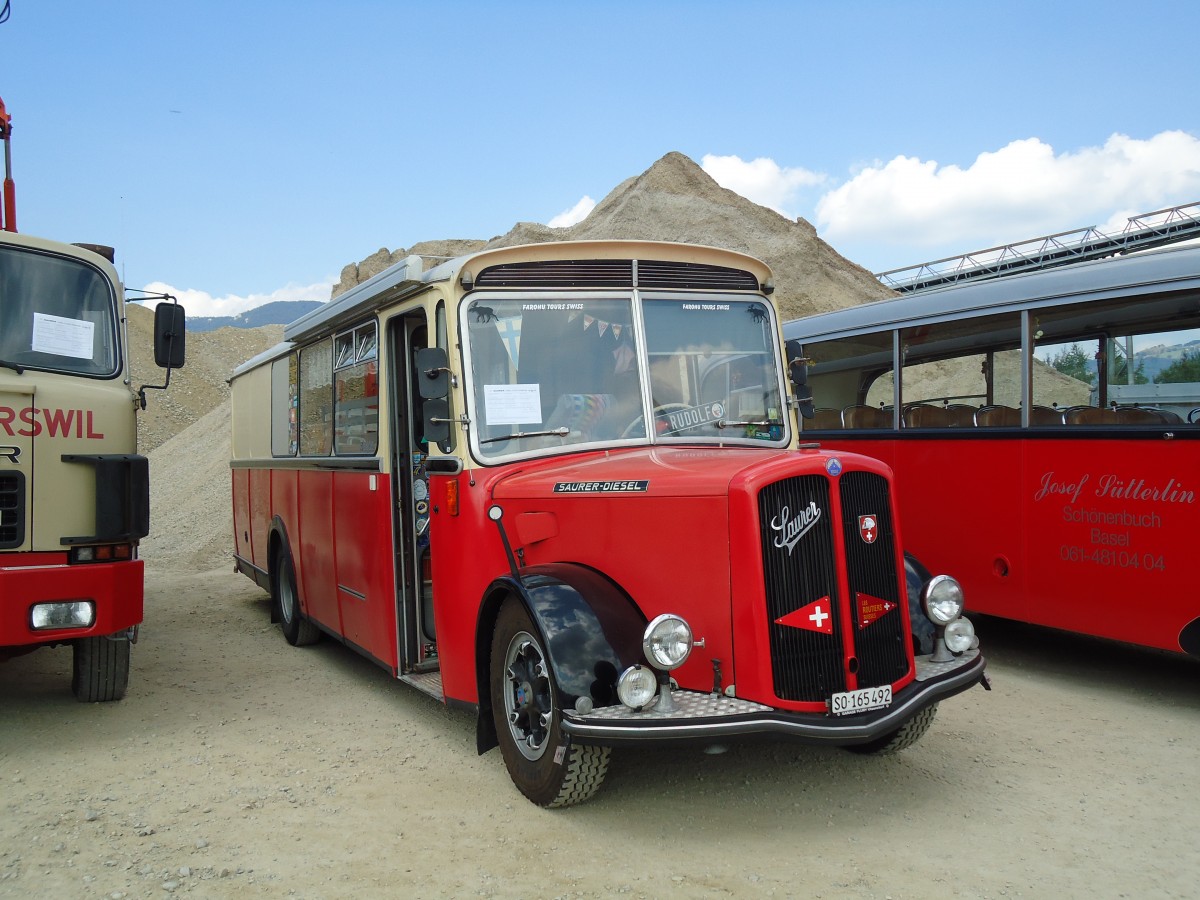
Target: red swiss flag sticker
(817,616)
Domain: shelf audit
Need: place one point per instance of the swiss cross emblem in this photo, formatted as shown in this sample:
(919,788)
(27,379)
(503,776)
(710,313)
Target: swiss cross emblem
(868,528)
(816,616)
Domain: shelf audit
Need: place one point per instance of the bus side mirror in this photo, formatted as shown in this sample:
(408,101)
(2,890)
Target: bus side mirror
(798,375)
(169,335)
(436,421)
(433,373)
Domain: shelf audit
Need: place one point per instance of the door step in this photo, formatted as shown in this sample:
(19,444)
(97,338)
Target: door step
(427,682)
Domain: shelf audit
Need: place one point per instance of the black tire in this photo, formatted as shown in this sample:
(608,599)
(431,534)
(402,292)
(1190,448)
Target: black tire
(544,764)
(298,630)
(100,672)
(904,736)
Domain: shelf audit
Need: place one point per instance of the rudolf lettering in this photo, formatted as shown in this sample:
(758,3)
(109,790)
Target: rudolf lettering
(791,529)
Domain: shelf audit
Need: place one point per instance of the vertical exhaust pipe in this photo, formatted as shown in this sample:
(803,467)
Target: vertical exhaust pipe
(8,215)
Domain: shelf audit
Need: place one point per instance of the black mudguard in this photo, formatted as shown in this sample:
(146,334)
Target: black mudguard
(591,629)
(916,576)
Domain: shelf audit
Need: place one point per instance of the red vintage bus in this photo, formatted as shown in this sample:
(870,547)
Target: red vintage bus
(1044,430)
(560,485)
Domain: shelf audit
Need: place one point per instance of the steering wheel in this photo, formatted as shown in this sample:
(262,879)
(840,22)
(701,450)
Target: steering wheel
(665,409)
(1194,416)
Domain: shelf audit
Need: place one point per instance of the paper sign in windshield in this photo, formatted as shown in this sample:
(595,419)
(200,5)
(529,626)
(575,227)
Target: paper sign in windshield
(513,404)
(62,337)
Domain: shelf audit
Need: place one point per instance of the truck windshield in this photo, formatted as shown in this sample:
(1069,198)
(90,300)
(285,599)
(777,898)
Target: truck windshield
(550,373)
(56,314)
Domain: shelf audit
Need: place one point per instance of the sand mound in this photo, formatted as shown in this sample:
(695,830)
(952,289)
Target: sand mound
(676,200)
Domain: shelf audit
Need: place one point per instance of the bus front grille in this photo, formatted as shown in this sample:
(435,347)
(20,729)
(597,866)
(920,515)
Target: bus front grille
(809,611)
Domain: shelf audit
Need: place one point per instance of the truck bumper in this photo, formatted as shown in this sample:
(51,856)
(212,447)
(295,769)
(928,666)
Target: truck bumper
(705,717)
(115,588)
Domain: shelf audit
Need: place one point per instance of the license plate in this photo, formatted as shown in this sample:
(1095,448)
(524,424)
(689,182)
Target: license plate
(862,700)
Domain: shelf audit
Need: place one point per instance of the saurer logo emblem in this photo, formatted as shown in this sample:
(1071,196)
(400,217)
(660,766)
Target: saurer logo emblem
(791,528)
(868,528)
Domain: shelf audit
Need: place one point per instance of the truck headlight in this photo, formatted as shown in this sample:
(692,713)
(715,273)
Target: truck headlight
(942,599)
(960,635)
(636,687)
(667,642)
(62,614)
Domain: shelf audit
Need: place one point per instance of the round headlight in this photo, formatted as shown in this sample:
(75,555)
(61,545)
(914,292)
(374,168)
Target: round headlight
(942,599)
(667,642)
(636,687)
(960,635)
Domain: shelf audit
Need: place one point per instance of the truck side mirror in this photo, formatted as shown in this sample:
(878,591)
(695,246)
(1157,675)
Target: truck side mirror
(170,332)
(433,374)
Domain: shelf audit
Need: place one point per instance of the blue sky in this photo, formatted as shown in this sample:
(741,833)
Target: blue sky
(238,152)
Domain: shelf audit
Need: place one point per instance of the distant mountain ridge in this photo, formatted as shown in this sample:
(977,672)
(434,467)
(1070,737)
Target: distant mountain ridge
(278,312)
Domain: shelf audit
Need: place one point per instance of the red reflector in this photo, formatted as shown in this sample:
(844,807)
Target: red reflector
(105,552)
(123,551)
(452,497)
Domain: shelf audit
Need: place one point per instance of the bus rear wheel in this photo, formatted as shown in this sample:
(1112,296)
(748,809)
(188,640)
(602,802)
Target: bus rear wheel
(298,630)
(903,737)
(100,672)
(543,763)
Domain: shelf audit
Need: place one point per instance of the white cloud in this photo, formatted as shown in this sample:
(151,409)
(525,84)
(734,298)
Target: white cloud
(575,214)
(1020,191)
(762,180)
(204,304)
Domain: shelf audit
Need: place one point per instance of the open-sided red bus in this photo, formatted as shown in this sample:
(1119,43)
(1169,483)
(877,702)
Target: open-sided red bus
(1045,434)
(560,485)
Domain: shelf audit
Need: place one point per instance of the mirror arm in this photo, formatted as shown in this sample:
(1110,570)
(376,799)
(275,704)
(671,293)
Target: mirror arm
(432,374)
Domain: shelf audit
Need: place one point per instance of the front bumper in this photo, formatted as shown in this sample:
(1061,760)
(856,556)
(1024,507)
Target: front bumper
(115,588)
(714,716)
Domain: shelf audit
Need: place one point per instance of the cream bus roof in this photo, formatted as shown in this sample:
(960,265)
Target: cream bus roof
(409,275)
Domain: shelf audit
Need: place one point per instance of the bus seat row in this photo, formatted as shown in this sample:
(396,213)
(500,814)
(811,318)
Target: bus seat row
(962,415)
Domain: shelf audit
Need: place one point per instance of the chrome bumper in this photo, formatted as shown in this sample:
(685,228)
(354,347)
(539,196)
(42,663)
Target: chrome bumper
(714,716)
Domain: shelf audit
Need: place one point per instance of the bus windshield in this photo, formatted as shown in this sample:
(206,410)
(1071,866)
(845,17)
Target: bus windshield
(553,372)
(57,314)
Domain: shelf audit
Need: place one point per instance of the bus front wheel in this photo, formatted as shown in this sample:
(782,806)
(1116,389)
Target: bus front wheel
(543,763)
(904,736)
(101,668)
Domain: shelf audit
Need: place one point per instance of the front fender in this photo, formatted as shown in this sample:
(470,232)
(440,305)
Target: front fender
(591,630)
(916,576)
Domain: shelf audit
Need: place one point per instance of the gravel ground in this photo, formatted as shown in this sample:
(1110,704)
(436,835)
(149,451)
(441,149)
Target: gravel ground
(238,765)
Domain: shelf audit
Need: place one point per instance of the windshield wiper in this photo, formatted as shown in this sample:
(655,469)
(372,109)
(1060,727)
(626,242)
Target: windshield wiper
(726,423)
(559,432)
(16,367)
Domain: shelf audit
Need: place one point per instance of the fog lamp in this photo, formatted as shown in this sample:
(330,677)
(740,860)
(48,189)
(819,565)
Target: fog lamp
(636,687)
(667,642)
(63,614)
(960,635)
(942,599)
